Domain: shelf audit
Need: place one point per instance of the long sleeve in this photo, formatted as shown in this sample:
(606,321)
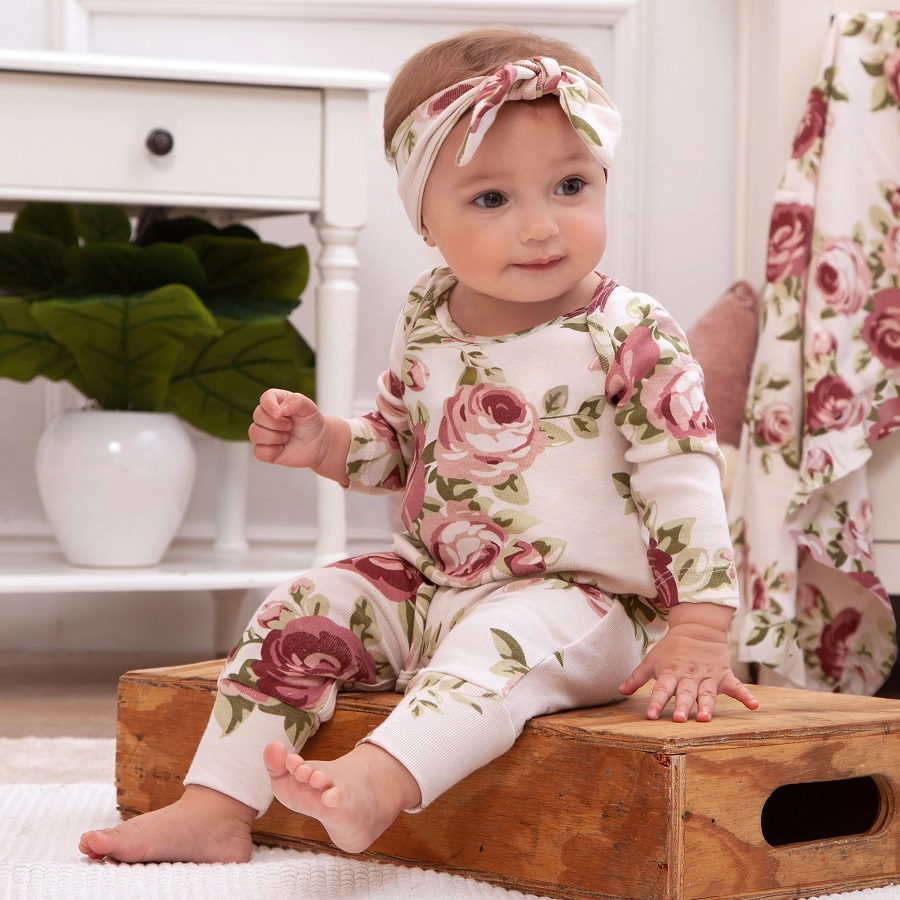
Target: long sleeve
(656,389)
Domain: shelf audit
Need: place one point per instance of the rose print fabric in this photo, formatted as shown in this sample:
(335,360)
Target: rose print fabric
(561,492)
(824,386)
(475,664)
(581,448)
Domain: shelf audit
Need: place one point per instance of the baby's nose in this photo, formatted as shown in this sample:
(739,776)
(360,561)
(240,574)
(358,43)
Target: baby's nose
(538,224)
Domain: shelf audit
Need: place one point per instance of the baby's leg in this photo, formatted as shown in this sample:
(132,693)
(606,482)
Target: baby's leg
(355,797)
(343,624)
(518,653)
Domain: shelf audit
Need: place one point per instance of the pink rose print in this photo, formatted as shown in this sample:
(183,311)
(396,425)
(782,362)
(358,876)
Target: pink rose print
(881,328)
(894,201)
(814,547)
(635,359)
(269,613)
(854,538)
(840,272)
(523,559)
(299,663)
(890,246)
(832,404)
(759,591)
(414,497)
(812,125)
(870,581)
(463,544)
(819,461)
(775,424)
(892,75)
(809,598)
(790,233)
(415,373)
(835,646)
(888,420)
(488,433)
(599,602)
(661,566)
(680,407)
(231,688)
(439,104)
(397,579)
(824,344)
(492,94)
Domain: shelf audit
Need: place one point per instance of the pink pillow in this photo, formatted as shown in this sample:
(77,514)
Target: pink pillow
(723,341)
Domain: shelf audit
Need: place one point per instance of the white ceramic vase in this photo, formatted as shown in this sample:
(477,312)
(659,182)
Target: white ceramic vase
(115,484)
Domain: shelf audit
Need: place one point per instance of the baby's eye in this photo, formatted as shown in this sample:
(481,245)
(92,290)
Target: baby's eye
(570,187)
(490,200)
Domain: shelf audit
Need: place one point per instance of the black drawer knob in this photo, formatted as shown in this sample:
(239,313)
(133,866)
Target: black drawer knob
(160,142)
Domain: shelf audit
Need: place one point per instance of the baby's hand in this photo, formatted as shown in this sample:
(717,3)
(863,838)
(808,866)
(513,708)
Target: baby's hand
(287,429)
(690,663)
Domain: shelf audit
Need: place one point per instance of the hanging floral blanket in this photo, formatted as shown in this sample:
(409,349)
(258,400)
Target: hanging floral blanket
(825,384)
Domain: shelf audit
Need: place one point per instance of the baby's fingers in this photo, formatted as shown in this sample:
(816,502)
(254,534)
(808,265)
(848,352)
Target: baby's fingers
(740,692)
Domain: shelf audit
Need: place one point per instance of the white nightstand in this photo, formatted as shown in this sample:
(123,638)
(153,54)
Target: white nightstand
(243,140)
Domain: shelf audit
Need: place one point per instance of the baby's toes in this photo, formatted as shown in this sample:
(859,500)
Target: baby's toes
(320,780)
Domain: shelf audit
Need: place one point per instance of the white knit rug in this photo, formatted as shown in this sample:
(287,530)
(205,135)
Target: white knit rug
(51,790)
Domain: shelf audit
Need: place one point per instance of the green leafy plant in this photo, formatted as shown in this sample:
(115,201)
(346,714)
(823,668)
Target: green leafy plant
(180,316)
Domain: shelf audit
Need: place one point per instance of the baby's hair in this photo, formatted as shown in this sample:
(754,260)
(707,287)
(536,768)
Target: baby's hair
(468,55)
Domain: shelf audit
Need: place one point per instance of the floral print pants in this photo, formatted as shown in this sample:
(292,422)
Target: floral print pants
(474,665)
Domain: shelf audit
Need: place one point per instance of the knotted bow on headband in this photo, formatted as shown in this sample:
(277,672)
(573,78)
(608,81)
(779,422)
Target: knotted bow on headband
(417,141)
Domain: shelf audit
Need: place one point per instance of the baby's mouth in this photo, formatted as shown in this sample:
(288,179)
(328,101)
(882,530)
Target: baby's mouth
(540,265)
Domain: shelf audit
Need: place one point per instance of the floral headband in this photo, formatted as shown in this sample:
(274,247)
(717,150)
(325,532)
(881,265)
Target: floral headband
(417,141)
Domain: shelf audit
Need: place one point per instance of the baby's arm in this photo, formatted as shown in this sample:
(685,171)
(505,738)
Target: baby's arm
(289,429)
(690,663)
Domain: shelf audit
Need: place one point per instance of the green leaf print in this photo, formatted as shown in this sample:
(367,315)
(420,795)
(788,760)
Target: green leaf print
(455,488)
(555,400)
(556,436)
(230,712)
(586,131)
(513,490)
(509,649)
(514,521)
(468,377)
(436,688)
(299,724)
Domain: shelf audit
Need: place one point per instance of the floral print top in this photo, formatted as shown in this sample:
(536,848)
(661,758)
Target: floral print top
(826,380)
(581,449)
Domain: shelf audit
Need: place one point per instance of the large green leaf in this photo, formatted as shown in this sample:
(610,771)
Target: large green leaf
(101,223)
(217,383)
(54,220)
(125,269)
(26,350)
(32,264)
(126,347)
(247,270)
(174,231)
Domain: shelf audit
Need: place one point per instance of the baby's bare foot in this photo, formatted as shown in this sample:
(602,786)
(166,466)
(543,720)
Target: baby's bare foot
(202,826)
(356,797)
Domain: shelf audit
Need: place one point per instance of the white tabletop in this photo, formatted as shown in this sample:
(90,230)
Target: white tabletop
(55,62)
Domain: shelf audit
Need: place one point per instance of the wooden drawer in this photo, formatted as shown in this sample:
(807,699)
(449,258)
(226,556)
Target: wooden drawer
(74,137)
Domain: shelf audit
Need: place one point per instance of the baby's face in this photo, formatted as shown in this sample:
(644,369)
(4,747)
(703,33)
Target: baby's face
(525,220)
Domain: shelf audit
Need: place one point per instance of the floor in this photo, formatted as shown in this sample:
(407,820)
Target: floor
(74,695)
(66,695)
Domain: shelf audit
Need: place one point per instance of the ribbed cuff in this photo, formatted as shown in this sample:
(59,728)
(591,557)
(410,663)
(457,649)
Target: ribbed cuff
(441,746)
(233,764)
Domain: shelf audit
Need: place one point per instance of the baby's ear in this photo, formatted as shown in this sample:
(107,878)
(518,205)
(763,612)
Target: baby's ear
(723,341)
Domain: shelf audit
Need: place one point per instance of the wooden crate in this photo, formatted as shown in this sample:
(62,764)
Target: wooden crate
(600,803)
